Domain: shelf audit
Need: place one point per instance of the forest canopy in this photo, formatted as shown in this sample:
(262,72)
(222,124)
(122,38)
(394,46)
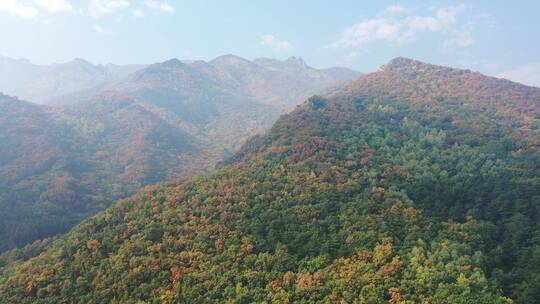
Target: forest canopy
(382,193)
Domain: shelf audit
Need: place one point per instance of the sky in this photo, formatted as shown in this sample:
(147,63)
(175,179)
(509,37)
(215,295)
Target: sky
(495,37)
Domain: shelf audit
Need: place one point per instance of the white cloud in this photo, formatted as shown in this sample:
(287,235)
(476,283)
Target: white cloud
(275,43)
(367,31)
(447,15)
(397,30)
(160,5)
(528,74)
(395,9)
(17,9)
(54,6)
(444,18)
(461,38)
(138,13)
(99,8)
(103,31)
(351,55)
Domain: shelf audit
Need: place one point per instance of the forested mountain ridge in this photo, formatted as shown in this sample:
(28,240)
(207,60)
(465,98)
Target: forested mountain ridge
(380,193)
(202,103)
(212,97)
(439,90)
(169,120)
(516,106)
(30,147)
(60,166)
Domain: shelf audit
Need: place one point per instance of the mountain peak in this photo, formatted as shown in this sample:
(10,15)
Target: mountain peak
(291,63)
(402,63)
(18,60)
(174,62)
(403,60)
(229,59)
(80,61)
(296,61)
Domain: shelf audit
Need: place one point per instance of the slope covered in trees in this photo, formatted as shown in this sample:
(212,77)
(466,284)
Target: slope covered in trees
(61,164)
(382,193)
(58,167)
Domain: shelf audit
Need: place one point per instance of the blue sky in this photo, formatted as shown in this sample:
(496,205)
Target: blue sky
(495,37)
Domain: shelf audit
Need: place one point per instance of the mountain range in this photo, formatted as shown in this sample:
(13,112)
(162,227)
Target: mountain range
(116,131)
(50,84)
(270,81)
(413,184)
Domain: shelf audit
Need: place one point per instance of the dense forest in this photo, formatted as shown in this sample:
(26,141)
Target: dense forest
(62,164)
(415,184)
(59,167)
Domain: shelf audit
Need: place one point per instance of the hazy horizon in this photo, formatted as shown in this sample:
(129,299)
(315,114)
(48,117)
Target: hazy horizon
(489,37)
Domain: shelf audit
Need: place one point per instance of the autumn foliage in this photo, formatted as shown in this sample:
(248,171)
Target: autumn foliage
(380,194)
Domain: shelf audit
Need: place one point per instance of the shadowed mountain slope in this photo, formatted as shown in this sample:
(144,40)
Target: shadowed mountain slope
(59,166)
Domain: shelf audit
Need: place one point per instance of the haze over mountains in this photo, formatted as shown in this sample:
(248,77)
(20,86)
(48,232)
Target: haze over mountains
(414,184)
(265,80)
(112,131)
(47,84)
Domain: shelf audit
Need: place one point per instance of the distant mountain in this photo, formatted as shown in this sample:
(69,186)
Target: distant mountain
(52,83)
(229,99)
(33,157)
(165,121)
(203,103)
(58,166)
(414,184)
(280,83)
(16,72)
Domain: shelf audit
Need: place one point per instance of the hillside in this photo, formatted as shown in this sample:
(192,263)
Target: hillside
(389,191)
(31,148)
(202,103)
(210,98)
(166,121)
(58,167)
